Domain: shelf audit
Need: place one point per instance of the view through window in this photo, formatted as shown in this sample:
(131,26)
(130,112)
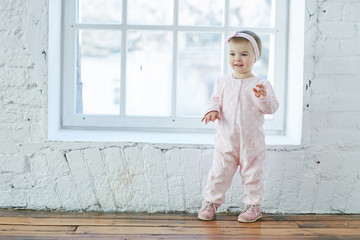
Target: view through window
(159,58)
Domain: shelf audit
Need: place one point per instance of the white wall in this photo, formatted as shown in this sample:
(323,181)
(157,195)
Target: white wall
(320,176)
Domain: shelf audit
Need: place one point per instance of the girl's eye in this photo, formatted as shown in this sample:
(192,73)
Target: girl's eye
(232,54)
(244,54)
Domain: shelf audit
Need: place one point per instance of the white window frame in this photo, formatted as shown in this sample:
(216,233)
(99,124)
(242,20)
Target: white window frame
(86,130)
(173,122)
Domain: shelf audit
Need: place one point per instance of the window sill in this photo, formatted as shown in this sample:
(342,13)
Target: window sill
(152,137)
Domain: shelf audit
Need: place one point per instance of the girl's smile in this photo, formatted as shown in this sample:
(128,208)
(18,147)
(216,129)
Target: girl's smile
(238,65)
(241,58)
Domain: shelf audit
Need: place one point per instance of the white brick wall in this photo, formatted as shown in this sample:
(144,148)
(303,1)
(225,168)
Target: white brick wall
(321,176)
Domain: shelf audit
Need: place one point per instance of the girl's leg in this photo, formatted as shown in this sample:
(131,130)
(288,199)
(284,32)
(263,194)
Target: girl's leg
(251,172)
(252,157)
(220,176)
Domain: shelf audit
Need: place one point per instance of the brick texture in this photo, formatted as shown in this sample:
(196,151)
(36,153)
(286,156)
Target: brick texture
(320,176)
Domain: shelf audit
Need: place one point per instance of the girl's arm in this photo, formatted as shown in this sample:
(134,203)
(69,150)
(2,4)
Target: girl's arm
(265,98)
(214,101)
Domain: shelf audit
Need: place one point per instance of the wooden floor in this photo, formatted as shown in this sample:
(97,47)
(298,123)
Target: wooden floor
(20,224)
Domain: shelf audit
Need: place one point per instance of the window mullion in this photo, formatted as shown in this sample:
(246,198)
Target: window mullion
(175,57)
(123,60)
(226,26)
(93,26)
(69,63)
(226,14)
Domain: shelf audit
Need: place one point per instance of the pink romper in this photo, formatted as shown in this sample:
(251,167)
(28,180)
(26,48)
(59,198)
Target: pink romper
(240,139)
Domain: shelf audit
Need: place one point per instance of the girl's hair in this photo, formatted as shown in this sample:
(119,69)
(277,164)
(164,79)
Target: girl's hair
(254,35)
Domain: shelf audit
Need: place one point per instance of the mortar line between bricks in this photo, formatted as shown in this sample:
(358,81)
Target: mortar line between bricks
(182,157)
(57,191)
(103,160)
(281,188)
(73,180)
(162,156)
(148,185)
(59,195)
(122,153)
(351,192)
(91,179)
(201,172)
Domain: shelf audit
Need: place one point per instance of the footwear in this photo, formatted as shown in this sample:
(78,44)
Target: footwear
(207,211)
(250,214)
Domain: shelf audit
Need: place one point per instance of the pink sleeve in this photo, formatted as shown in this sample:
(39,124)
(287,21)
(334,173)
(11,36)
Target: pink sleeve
(268,104)
(214,102)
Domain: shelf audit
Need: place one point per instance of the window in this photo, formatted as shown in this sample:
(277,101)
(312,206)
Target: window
(151,65)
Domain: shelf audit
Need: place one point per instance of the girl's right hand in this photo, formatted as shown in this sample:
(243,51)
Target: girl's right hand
(211,117)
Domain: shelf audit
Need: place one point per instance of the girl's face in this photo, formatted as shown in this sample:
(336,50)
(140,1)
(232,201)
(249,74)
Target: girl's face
(241,58)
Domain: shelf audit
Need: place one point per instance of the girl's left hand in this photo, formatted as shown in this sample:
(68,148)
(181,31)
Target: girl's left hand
(260,92)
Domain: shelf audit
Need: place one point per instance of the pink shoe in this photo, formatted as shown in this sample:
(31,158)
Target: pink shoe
(207,211)
(250,214)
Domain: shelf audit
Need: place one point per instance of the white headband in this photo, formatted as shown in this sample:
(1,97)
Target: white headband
(248,37)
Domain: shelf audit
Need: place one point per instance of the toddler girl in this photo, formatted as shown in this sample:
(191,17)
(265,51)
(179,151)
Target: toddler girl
(239,102)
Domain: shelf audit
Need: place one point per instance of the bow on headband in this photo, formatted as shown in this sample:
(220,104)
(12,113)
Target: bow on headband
(248,37)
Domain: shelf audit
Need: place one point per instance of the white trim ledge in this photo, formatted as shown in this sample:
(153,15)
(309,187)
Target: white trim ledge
(152,137)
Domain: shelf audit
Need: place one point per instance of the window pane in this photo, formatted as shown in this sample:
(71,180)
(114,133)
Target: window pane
(201,12)
(149,74)
(254,13)
(150,12)
(95,11)
(99,72)
(262,67)
(199,64)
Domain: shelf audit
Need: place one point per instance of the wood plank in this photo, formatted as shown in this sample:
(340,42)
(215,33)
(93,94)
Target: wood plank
(172,216)
(328,224)
(310,217)
(222,217)
(99,215)
(59,214)
(170,237)
(92,215)
(140,222)
(220,237)
(35,235)
(11,227)
(73,225)
(112,230)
